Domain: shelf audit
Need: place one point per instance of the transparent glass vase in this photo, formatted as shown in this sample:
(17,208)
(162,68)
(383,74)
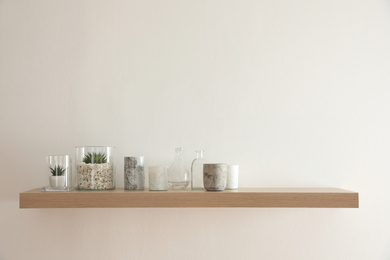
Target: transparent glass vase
(197,171)
(95,168)
(59,169)
(178,175)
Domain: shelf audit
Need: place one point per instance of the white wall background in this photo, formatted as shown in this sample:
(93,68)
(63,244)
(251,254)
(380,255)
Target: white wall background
(296,92)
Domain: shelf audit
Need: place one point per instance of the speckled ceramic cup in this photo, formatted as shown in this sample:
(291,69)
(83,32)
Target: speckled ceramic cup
(214,176)
(158,178)
(232,177)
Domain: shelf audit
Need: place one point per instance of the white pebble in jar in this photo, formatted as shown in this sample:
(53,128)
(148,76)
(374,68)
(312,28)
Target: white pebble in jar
(158,178)
(232,177)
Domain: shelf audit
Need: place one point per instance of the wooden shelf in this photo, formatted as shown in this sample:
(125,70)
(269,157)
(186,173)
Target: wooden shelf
(244,198)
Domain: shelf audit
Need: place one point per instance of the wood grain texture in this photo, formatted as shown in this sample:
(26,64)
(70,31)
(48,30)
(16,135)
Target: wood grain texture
(246,198)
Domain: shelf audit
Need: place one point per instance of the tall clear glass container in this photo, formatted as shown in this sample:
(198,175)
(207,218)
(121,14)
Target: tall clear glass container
(178,175)
(197,171)
(59,169)
(95,168)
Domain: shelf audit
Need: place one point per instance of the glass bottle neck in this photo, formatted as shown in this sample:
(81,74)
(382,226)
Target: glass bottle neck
(179,153)
(199,154)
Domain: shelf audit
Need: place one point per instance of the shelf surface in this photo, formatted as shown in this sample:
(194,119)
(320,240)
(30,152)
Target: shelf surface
(244,198)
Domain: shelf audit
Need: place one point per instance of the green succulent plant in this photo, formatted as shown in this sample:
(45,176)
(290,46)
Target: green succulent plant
(57,170)
(96,158)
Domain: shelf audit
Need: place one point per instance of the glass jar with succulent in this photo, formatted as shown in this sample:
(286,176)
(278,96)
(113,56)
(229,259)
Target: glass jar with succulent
(60,173)
(95,168)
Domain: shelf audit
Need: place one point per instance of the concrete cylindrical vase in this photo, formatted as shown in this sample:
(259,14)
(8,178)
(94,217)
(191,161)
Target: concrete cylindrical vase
(134,173)
(232,177)
(158,178)
(214,176)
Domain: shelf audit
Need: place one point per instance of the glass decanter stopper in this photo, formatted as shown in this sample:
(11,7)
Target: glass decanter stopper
(178,175)
(197,171)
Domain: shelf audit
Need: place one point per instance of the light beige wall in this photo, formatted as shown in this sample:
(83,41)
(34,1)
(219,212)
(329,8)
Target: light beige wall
(296,92)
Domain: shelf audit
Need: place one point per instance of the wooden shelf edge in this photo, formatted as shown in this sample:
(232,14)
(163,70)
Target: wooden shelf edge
(243,198)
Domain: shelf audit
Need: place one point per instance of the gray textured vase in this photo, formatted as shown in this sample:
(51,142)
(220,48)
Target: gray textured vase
(214,176)
(134,173)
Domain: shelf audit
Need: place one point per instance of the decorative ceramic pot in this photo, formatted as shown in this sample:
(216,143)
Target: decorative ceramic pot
(214,176)
(158,178)
(57,182)
(134,173)
(232,177)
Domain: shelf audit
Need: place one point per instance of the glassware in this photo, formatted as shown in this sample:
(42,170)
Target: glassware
(197,171)
(95,168)
(178,175)
(60,173)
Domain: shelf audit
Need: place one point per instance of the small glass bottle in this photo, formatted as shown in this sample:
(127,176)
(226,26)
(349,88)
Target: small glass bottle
(178,175)
(197,171)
